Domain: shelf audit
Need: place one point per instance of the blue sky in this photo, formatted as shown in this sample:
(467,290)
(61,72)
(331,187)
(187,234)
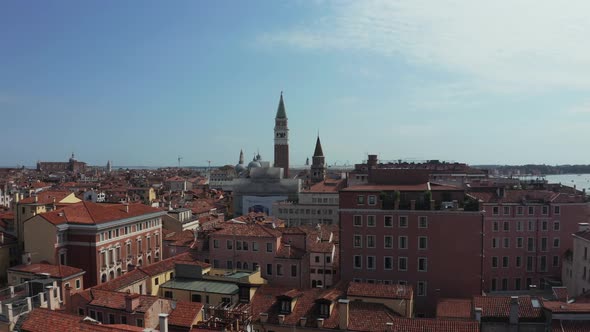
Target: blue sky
(141,82)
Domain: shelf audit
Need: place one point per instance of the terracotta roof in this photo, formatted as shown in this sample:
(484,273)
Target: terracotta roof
(169,263)
(289,251)
(94,213)
(560,294)
(116,300)
(54,271)
(46,197)
(44,320)
(434,325)
(328,185)
(180,239)
(123,281)
(499,306)
(532,196)
(253,230)
(184,314)
(365,316)
(454,308)
(400,187)
(564,307)
(380,290)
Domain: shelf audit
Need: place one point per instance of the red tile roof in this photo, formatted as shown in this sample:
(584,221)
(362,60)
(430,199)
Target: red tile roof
(560,294)
(169,263)
(116,300)
(328,185)
(365,316)
(185,313)
(44,320)
(127,279)
(380,290)
(564,307)
(454,308)
(54,271)
(94,213)
(499,306)
(434,325)
(46,197)
(400,187)
(253,230)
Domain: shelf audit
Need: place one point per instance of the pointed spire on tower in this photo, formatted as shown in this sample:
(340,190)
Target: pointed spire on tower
(241,161)
(318,148)
(281,113)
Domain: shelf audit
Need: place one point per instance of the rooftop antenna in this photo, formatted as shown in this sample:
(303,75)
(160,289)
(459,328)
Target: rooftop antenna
(179,159)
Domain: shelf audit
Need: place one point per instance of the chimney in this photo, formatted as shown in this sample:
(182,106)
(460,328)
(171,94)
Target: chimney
(513,310)
(389,326)
(320,322)
(131,302)
(26,257)
(264,317)
(303,321)
(343,314)
(51,299)
(478,314)
(281,319)
(67,295)
(583,226)
(163,322)
(36,198)
(127,208)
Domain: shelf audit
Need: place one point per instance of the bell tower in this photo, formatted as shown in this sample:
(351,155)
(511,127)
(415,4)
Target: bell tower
(318,165)
(282,139)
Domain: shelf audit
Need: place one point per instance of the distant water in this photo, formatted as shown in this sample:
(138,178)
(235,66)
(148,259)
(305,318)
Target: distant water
(581,181)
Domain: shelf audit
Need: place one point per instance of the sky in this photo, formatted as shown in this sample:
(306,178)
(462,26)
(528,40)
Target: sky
(143,82)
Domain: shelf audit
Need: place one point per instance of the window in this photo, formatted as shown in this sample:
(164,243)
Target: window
(371,262)
(387,263)
(422,222)
(495,210)
(555,261)
(519,242)
(388,221)
(269,269)
(78,285)
(556,242)
(529,263)
(358,261)
(168,294)
(99,316)
(285,307)
(422,264)
(229,265)
(519,226)
(139,322)
(254,246)
(506,226)
(403,222)
(494,284)
(544,226)
(388,241)
(545,210)
(532,226)
(517,285)
(244,245)
(196,298)
(370,241)
(111,319)
(518,261)
(328,259)
(403,242)
(360,199)
(556,225)
(494,242)
(317,258)
(279,269)
(157,281)
(506,242)
(81,312)
(530,244)
(371,221)
(531,210)
(556,210)
(422,242)
(358,221)
(504,284)
(215,243)
(269,247)
(421,288)
(494,262)
(293,270)
(402,263)
(92,314)
(505,262)
(519,210)
(229,244)
(358,242)
(543,244)
(506,210)
(371,199)
(495,226)
(543,264)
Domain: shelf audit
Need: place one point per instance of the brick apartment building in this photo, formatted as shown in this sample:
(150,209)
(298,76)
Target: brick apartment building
(104,240)
(527,233)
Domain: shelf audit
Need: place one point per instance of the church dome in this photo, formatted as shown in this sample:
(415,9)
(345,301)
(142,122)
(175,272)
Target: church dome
(240,168)
(254,164)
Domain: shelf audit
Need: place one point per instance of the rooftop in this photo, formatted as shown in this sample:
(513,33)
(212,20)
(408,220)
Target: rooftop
(54,271)
(93,213)
(201,286)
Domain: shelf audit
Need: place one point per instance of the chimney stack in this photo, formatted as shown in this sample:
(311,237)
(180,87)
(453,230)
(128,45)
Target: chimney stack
(264,317)
(36,198)
(513,310)
(281,319)
(303,321)
(389,326)
(131,302)
(127,208)
(478,314)
(163,318)
(343,314)
(583,226)
(320,322)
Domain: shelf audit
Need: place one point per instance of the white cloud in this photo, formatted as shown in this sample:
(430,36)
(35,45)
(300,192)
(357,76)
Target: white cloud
(515,45)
